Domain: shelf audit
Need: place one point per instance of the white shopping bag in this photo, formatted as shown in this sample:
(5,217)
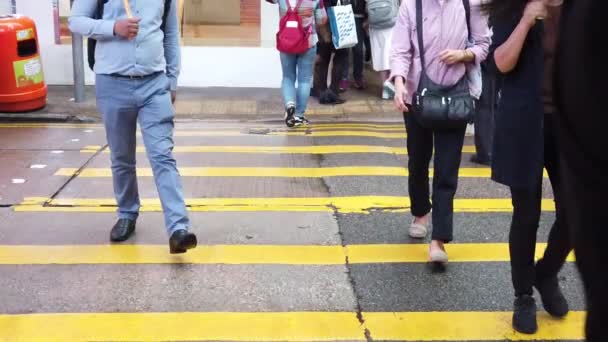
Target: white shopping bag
(343,28)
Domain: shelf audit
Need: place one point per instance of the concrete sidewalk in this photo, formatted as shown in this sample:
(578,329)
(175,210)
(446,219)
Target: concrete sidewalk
(217,103)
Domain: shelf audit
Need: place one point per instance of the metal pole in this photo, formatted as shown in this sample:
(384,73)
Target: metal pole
(78,62)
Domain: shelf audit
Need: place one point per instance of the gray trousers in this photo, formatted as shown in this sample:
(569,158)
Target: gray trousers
(123,103)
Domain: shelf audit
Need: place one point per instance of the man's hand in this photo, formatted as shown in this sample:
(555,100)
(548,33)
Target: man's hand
(127,28)
(173,96)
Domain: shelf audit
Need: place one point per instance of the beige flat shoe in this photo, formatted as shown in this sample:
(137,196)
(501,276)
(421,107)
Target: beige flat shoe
(438,256)
(418,231)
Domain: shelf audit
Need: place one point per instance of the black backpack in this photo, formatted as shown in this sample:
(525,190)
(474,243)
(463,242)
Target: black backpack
(92,43)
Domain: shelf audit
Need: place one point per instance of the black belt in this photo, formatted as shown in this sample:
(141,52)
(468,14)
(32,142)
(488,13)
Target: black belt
(143,77)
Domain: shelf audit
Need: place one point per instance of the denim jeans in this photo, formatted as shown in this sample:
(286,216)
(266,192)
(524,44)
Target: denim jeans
(123,103)
(298,67)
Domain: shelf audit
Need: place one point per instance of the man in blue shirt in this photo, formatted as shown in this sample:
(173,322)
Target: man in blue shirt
(137,65)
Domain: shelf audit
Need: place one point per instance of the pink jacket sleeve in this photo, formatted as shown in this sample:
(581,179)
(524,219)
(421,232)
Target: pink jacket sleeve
(401,48)
(480,32)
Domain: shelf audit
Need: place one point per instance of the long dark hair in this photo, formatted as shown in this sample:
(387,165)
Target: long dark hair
(504,9)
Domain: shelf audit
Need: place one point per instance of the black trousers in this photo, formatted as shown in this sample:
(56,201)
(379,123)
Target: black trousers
(358,52)
(484,116)
(325,51)
(582,139)
(448,153)
(587,216)
(524,226)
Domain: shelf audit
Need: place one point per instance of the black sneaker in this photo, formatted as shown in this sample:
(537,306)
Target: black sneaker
(524,315)
(300,121)
(552,297)
(289,117)
(123,230)
(329,97)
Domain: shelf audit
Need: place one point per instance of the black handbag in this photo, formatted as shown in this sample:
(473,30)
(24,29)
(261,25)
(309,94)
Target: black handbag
(439,107)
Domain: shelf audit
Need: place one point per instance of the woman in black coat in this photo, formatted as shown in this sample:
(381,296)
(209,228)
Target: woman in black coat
(525,35)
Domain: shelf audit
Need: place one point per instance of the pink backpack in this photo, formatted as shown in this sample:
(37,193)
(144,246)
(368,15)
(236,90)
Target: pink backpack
(292,37)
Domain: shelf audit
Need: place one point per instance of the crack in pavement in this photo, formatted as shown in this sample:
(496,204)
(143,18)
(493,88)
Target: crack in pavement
(351,279)
(75,175)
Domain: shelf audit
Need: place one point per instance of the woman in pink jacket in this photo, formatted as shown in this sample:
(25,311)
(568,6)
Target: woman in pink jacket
(449,51)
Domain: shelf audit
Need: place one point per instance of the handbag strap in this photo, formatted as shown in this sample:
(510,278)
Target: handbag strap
(467,12)
(420,35)
(419,28)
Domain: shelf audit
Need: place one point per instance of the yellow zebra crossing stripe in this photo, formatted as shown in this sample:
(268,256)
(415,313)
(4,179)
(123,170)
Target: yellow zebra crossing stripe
(283,326)
(345,205)
(282,172)
(320,149)
(252,254)
(468,326)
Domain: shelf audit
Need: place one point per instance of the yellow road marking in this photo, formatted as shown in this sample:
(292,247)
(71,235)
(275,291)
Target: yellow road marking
(341,127)
(468,326)
(43,125)
(321,149)
(410,253)
(182,327)
(315,126)
(282,326)
(383,135)
(252,254)
(353,125)
(283,172)
(346,205)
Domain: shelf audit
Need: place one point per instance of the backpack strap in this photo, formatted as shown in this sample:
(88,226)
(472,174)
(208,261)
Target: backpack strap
(298,4)
(165,15)
(92,43)
(99,10)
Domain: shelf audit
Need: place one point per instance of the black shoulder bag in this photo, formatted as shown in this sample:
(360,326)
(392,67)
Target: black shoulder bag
(439,107)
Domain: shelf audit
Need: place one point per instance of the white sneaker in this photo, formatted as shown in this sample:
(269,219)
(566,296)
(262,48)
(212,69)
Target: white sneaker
(417,230)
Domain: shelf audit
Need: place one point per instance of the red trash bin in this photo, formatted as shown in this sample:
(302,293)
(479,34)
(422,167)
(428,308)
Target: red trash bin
(22,86)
